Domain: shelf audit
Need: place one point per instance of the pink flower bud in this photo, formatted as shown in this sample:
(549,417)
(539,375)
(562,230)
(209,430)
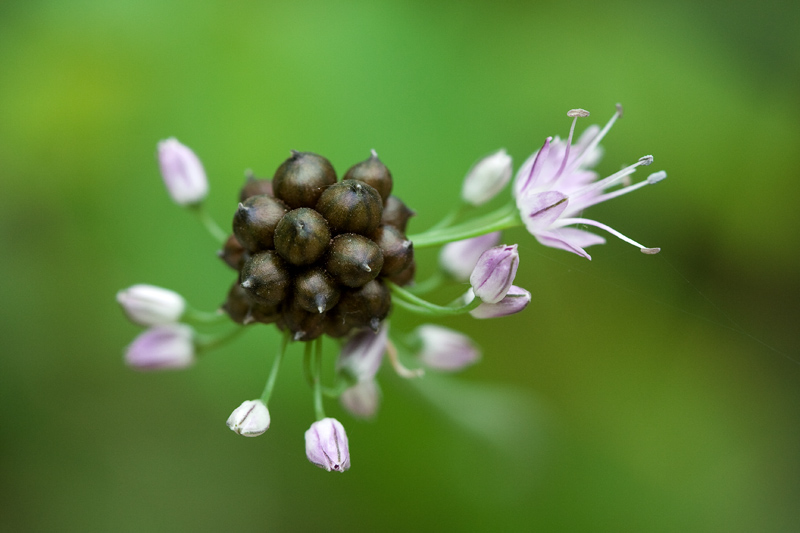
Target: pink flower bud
(165,346)
(148,305)
(514,301)
(362,355)
(460,257)
(487,178)
(362,399)
(182,172)
(445,349)
(250,419)
(326,445)
(494,273)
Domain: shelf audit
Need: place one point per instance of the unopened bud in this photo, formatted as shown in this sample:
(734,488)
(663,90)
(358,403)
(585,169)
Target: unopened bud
(182,171)
(514,301)
(494,273)
(250,419)
(326,445)
(445,349)
(487,178)
(148,305)
(162,347)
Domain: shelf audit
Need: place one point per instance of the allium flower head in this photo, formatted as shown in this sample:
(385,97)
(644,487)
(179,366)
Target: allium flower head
(326,445)
(182,171)
(555,184)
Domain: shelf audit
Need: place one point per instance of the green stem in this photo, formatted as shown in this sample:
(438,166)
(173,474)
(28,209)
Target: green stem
(273,374)
(499,220)
(307,366)
(204,317)
(416,304)
(318,409)
(207,342)
(449,219)
(430,284)
(210,224)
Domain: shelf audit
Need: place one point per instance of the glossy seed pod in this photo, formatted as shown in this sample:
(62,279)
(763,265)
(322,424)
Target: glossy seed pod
(233,253)
(353,260)
(302,178)
(405,276)
(337,324)
(302,236)
(374,173)
(266,278)
(315,291)
(304,325)
(366,306)
(237,306)
(396,213)
(254,186)
(255,220)
(351,206)
(398,252)
(265,314)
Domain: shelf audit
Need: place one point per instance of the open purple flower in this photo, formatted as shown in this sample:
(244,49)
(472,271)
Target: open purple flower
(556,184)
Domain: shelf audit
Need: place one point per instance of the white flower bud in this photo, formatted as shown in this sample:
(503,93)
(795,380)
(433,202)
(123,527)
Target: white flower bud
(250,419)
(183,172)
(487,178)
(362,399)
(148,305)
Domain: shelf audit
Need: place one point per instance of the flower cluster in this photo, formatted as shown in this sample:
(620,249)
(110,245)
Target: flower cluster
(319,257)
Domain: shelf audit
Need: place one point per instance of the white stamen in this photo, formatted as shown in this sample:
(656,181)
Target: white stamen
(570,221)
(610,180)
(655,177)
(577,113)
(599,137)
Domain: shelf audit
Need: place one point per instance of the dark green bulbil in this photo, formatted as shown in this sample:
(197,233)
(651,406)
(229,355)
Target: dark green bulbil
(405,276)
(374,173)
(255,221)
(254,186)
(398,252)
(351,206)
(266,278)
(305,325)
(396,213)
(365,306)
(353,260)
(302,236)
(233,253)
(302,178)
(315,291)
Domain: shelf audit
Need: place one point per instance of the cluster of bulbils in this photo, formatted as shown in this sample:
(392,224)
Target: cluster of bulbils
(321,257)
(313,253)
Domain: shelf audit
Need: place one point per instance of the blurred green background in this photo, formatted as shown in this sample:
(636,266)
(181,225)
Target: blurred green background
(636,393)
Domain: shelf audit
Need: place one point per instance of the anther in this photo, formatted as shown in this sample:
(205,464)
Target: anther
(651,251)
(646,160)
(655,177)
(577,113)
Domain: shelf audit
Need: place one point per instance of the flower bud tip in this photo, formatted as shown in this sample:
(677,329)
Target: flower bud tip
(375,324)
(651,251)
(365,267)
(577,113)
(295,154)
(373,153)
(242,207)
(646,160)
(247,283)
(299,335)
(407,244)
(655,177)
